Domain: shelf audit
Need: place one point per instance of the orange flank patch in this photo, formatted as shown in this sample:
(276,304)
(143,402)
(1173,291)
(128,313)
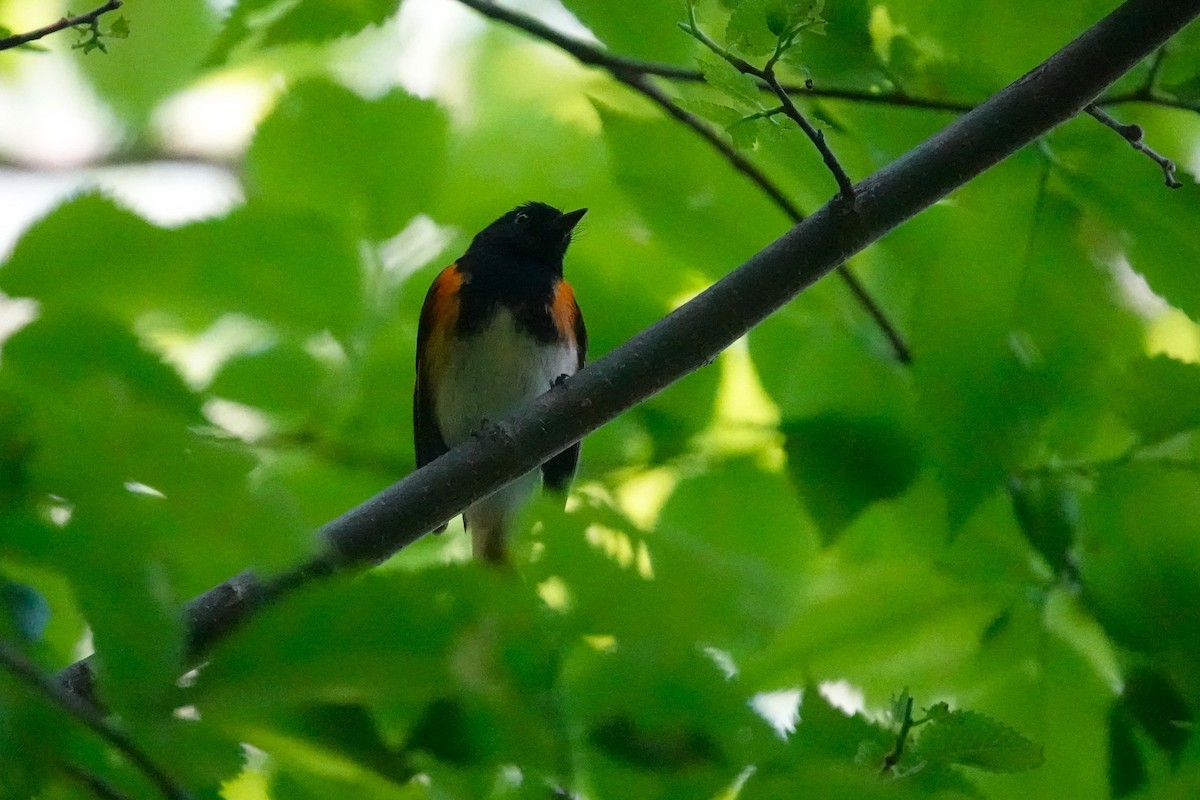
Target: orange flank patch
(565,311)
(438,318)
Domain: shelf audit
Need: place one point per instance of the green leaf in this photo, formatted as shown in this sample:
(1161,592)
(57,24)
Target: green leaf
(320,20)
(282,378)
(342,642)
(1157,707)
(293,270)
(66,345)
(698,192)
(1160,397)
(1156,226)
(390,155)
(120,28)
(980,395)
(269,23)
(976,740)
(1048,508)
(173,36)
(744,133)
(756,26)
(720,73)
(1138,557)
(841,464)
(636,28)
(719,113)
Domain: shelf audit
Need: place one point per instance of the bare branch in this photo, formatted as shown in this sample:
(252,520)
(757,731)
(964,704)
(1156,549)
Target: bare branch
(45,685)
(632,74)
(692,335)
(1135,136)
(90,18)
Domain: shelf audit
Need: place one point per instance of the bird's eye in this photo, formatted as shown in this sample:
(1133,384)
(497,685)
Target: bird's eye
(522,218)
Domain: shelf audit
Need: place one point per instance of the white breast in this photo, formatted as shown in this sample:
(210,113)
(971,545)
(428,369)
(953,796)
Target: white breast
(490,374)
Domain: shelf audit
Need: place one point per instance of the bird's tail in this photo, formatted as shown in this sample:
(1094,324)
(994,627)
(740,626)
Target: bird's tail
(489,531)
(489,519)
(487,522)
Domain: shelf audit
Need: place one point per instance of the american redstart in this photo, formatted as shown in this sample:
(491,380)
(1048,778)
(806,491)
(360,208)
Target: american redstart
(499,327)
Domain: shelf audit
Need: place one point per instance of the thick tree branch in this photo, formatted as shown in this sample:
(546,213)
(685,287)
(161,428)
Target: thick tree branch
(1136,138)
(9,42)
(45,685)
(633,74)
(689,338)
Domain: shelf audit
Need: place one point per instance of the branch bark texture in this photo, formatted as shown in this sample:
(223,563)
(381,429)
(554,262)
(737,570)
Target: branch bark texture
(690,337)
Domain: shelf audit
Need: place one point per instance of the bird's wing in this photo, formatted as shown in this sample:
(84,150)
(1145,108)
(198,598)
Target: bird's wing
(438,317)
(559,471)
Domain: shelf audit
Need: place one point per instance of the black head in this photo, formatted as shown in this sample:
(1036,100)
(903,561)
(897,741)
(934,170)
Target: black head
(534,234)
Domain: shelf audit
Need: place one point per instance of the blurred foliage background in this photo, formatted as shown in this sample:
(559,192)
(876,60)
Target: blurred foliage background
(216,239)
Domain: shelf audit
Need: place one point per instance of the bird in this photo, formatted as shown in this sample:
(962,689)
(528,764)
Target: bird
(499,327)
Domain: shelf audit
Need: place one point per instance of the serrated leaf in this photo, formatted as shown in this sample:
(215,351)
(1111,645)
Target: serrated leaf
(721,74)
(748,29)
(756,26)
(719,113)
(976,740)
(744,132)
(120,28)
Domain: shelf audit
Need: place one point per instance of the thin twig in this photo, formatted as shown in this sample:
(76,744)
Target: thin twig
(632,74)
(1149,92)
(1152,98)
(845,187)
(94,783)
(9,42)
(45,685)
(1136,138)
(766,74)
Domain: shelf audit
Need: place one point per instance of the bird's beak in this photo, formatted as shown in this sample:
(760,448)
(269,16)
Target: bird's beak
(567,222)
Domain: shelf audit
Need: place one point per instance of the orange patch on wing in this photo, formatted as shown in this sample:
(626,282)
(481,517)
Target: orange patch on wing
(564,311)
